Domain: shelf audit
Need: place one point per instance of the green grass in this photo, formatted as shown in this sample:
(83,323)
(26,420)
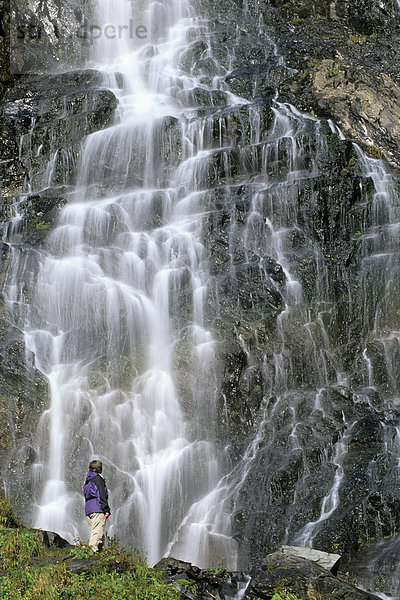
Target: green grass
(17,546)
(7,516)
(81,550)
(41,225)
(284,595)
(116,574)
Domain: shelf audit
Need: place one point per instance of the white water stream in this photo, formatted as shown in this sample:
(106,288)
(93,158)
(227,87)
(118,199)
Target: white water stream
(118,303)
(113,304)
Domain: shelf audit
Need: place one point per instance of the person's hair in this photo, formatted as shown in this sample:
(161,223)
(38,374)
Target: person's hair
(96,466)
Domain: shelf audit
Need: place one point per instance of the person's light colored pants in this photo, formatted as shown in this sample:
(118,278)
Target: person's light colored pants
(97,522)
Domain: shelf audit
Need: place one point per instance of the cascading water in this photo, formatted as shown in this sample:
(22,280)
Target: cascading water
(116,306)
(120,286)
(315,380)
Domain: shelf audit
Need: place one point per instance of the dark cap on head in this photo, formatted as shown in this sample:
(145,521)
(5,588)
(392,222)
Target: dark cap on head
(96,466)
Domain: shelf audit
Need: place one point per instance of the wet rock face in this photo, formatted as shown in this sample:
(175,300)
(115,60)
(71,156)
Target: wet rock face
(248,284)
(339,60)
(23,397)
(287,498)
(43,120)
(363,16)
(376,565)
(365,104)
(4,46)
(367,17)
(47,37)
(336,61)
(307,580)
(348,52)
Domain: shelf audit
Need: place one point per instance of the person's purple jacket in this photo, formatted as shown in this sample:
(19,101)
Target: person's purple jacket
(96,494)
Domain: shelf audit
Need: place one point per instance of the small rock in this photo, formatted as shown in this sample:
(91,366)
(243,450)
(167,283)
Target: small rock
(51,539)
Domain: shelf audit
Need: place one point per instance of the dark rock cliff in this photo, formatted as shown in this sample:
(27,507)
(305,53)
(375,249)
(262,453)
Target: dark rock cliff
(341,61)
(336,61)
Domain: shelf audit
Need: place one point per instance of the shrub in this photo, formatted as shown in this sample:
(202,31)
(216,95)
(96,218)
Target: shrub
(17,546)
(7,516)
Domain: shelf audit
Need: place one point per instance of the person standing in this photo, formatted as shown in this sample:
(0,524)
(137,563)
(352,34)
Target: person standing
(97,509)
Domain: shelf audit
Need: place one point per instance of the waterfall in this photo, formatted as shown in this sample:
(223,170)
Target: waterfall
(114,303)
(200,219)
(336,341)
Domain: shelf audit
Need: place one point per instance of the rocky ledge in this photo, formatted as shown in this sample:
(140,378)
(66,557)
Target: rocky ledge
(279,572)
(306,573)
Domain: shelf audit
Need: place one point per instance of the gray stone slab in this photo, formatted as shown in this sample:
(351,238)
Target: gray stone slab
(328,561)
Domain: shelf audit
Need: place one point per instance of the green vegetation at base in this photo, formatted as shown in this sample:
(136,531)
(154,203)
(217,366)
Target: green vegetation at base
(115,574)
(284,595)
(7,517)
(281,591)
(17,546)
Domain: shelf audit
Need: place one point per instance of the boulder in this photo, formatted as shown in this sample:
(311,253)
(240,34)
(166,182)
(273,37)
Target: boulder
(278,572)
(202,584)
(304,578)
(327,560)
(52,539)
